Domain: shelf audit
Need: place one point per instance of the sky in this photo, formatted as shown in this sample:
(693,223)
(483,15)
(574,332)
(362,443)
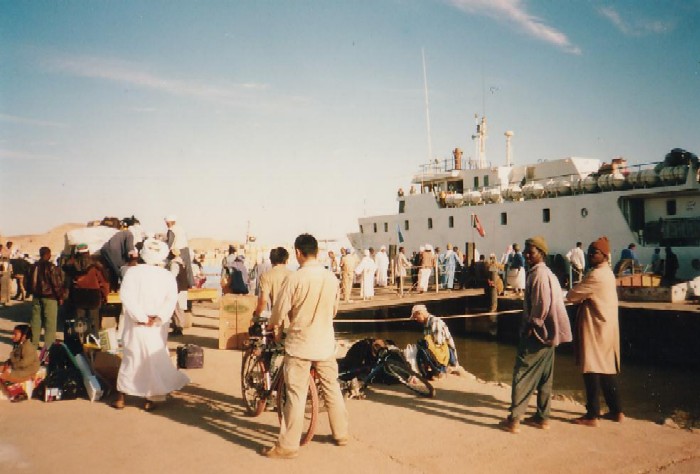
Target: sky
(284,117)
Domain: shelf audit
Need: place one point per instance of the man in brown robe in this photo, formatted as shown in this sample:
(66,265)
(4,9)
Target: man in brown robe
(598,334)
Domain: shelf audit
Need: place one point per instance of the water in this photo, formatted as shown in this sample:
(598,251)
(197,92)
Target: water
(647,392)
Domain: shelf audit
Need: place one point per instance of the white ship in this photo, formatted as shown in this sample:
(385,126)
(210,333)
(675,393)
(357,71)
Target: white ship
(565,200)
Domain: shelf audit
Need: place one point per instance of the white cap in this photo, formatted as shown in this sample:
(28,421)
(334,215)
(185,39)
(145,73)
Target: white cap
(171,218)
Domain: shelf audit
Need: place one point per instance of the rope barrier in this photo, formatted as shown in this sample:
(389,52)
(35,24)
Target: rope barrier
(462,316)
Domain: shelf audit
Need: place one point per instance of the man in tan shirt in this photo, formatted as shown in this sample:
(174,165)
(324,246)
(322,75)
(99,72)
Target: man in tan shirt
(309,297)
(348,263)
(271,281)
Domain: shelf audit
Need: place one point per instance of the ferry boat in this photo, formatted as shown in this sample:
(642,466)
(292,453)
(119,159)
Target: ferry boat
(564,200)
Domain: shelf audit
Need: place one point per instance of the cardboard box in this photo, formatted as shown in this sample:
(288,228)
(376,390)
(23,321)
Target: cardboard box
(106,365)
(235,314)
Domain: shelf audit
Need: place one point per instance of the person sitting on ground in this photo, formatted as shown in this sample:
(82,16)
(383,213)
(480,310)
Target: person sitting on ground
(438,348)
(23,363)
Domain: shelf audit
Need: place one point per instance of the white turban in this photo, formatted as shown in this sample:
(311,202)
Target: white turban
(171,218)
(428,247)
(154,252)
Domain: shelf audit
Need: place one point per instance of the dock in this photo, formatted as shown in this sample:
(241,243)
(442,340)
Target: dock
(650,332)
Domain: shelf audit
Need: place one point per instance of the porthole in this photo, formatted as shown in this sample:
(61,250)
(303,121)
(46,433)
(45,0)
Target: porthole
(584,212)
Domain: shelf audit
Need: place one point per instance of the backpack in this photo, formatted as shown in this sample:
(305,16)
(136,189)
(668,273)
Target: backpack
(62,374)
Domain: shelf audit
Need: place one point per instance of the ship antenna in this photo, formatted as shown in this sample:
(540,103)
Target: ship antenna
(427,107)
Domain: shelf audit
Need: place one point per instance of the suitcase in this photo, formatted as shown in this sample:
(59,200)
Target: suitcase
(190,356)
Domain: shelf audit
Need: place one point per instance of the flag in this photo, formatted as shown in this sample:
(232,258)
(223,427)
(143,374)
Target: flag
(476,223)
(398,229)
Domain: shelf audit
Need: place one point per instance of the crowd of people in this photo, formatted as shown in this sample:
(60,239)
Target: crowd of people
(152,275)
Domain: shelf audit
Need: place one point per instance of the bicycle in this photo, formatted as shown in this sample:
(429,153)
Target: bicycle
(390,363)
(262,379)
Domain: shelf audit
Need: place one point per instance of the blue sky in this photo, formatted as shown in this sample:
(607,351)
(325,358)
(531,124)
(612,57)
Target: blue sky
(300,116)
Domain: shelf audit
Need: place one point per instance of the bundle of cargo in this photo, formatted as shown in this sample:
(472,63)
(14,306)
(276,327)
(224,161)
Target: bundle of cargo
(93,237)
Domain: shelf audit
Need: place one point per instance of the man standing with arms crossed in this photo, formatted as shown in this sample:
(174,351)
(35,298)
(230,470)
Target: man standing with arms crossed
(309,297)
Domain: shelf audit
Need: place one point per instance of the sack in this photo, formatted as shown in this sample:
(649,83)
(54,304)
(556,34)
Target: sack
(441,353)
(410,353)
(190,356)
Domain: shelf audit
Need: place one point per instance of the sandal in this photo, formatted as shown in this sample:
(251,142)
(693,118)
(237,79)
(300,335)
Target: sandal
(119,402)
(149,405)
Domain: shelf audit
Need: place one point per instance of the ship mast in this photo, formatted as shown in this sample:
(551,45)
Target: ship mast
(427,107)
(480,141)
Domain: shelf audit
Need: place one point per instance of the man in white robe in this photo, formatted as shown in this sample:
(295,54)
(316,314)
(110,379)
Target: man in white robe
(366,269)
(382,261)
(148,294)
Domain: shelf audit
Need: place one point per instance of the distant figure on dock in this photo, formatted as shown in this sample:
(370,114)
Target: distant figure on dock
(401,267)
(427,263)
(577,259)
(598,335)
(333,265)
(670,268)
(515,276)
(657,262)
(545,325)
(366,269)
(348,263)
(452,265)
(382,261)
(628,261)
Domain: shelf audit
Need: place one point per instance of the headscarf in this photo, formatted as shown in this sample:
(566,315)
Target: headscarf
(602,244)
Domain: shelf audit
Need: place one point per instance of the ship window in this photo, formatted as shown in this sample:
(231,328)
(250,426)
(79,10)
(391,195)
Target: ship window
(504,218)
(671,207)
(402,206)
(486,180)
(476,181)
(430,222)
(375,227)
(451,222)
(386,227)
(405,225)
(362,230)
(546,215)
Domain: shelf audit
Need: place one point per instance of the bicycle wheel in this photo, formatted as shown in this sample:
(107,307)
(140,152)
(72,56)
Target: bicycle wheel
(413,381)
(253,383)
(310,411)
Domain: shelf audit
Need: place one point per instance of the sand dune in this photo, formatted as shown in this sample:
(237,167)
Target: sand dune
(55,240)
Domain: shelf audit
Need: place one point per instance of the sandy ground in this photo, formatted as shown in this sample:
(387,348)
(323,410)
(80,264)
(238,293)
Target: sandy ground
(204,428)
